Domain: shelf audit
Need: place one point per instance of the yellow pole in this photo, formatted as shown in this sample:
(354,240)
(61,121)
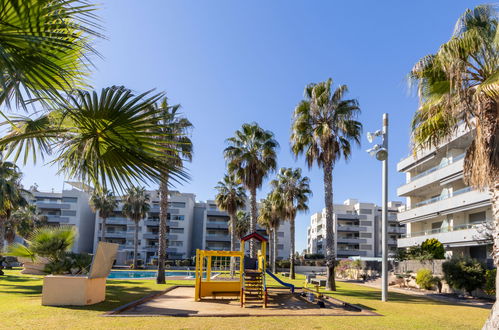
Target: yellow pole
(208,269)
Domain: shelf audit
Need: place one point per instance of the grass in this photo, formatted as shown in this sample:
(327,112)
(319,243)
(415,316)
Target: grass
(20,308)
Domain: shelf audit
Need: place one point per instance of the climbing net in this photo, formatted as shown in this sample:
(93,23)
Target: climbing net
(218,265)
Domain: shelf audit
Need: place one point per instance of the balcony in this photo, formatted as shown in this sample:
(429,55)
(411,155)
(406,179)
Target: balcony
(396,230)
(218,238)
(350,252)
(351,228)
(57,218)
(460,235)
(217,225)
(149,235)
(152,223)
(216,213)
(115,234)
(460,200)
(351,240)
(116,221)
(432,175)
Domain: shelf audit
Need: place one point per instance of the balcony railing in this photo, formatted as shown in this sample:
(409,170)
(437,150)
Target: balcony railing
(445,229)
(440,198)
(436,168)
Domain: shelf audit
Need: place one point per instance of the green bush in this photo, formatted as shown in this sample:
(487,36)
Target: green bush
(71,263)
(490,282)
(424,278)
(433,248)
(284,263)
(464,274)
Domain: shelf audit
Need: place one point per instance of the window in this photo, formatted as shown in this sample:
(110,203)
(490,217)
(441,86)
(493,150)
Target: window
(366,235)
(366,223)
(477,217)
(177,230)
(176,204)
(70,199)
(69,213)
(366,211)
(280,234)
(280,246)
(176,243)
(366,247)
(436,225)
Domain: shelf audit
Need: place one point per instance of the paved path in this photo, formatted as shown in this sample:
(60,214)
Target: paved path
(443,297)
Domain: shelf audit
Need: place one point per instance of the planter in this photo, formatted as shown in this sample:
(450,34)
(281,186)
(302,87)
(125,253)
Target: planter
(34,268)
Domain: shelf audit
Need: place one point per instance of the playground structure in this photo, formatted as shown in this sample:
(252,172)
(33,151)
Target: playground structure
(231,273)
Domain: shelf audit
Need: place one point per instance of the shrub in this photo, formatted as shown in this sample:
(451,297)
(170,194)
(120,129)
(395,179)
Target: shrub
(71,263)
(490,282)
(284,263)
(464,274)
(433,248)
(424,278)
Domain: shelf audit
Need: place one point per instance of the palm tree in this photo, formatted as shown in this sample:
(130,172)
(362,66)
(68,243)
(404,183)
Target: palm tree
(104,202)
(46,48)
(231,197)
(294,191)
(251,156)
(323,128)
(106,138)
(26,220)
(135,207)
(174,137)
(11,197)
(271,214)
(242,224)
(460,83)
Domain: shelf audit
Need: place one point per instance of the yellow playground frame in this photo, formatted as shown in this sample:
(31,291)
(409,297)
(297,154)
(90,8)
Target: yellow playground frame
(208,286)
(220,286)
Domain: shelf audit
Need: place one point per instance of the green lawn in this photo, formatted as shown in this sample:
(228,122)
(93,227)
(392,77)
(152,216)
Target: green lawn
(20,308)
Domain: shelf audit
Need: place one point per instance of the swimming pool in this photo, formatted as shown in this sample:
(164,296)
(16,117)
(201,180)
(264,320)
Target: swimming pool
(130,274)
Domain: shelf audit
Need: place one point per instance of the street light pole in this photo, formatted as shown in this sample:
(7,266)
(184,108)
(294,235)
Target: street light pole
(381,154)
(384,216)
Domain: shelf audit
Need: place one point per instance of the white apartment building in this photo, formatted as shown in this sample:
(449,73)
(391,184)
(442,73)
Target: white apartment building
(439,204)
(69,207)
(357,229)
(193,225)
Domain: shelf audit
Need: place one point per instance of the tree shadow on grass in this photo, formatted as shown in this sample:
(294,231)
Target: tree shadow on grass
(10,284)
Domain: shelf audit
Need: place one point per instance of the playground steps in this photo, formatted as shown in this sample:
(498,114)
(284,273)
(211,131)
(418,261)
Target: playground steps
(253,287)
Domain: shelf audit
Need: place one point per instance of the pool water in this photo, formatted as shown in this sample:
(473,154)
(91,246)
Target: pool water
(145,274)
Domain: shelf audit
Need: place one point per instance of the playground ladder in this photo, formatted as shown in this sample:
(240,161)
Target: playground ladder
(253,289)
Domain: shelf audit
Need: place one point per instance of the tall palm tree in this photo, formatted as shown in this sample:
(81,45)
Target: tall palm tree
(46,46)
(265,220)
(174,137)
(323,128)
(11,195)
(460,83)
(242,224)
(135,207)
(231,197)
(294,191)
(251,156)
(106,138)
(104,202)
(27,219)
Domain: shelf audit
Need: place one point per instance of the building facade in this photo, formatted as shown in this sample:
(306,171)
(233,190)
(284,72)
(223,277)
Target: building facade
(357,229)
(440,205)
(69,207)
(193,225)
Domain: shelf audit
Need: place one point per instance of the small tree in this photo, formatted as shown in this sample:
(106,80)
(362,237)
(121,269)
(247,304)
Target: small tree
(434,248)
(464,274)
(424,278)
(490,282)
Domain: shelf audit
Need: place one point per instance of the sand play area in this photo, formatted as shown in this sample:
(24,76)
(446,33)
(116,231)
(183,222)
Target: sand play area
(179,301)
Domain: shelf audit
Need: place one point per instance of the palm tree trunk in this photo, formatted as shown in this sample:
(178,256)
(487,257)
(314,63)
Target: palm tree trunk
(493,320)
(2,234)
(292,254)
(253,216)
(103,229)
(330,243)
(271,246)
(163,231)
(276,250)
(232,219)
(135,245)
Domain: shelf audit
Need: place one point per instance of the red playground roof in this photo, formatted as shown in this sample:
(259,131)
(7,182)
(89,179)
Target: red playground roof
(254,235)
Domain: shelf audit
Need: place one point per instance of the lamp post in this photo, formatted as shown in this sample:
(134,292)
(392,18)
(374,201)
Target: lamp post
(381,154)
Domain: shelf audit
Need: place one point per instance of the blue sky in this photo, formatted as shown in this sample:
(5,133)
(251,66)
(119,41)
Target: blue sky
(231,62)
